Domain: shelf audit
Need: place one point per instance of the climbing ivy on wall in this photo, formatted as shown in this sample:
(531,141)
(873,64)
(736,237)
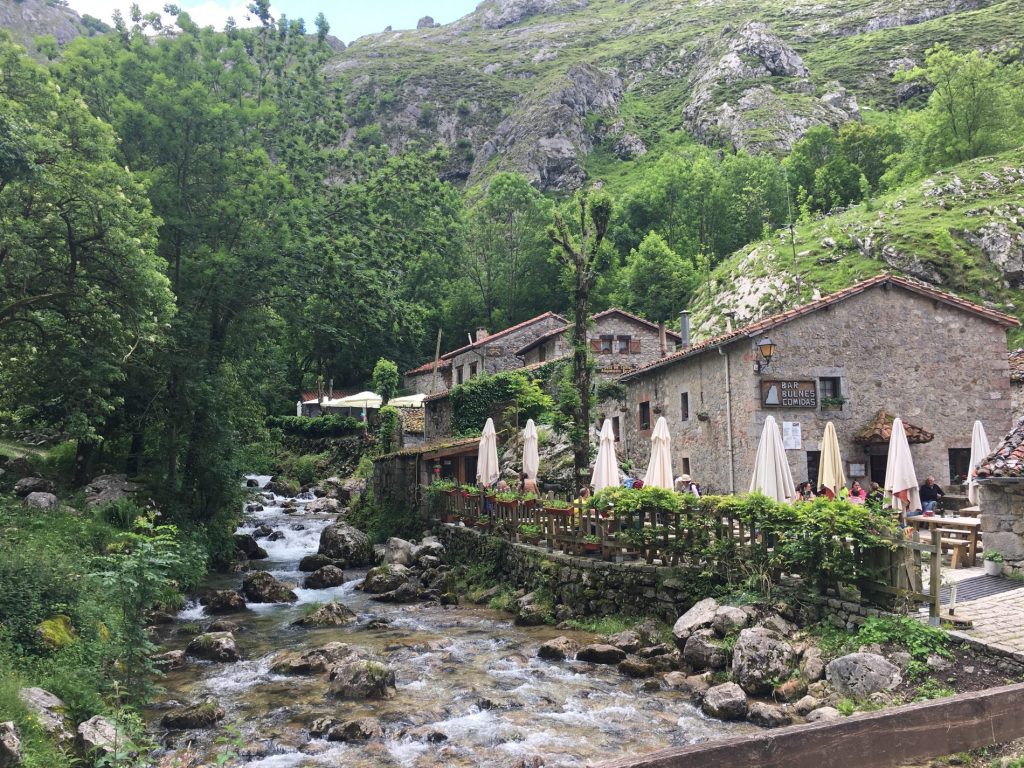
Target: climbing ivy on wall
(499,397)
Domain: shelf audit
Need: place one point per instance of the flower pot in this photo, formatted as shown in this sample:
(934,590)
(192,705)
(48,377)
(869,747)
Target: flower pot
(993,568)
(590,547)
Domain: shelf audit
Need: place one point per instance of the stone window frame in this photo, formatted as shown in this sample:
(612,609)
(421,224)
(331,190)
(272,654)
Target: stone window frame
(460,375)
(644,405)
(606,344)
(472,370)
(623,343)
(684,407)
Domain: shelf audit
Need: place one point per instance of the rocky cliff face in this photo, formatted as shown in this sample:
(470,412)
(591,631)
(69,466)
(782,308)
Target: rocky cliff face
(544,86)
(28,19)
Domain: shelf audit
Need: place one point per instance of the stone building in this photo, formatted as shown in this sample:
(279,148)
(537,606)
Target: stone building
(886,346)
(486,353)
(620,342)
(1017,381)
(1001,481)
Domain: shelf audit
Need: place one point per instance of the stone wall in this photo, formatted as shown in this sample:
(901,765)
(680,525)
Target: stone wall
(936,366)
(427,384)
(1002,522)
(437,419)
(394,484)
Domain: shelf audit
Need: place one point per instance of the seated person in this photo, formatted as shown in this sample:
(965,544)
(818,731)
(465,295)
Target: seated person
(857,493)
(931,494)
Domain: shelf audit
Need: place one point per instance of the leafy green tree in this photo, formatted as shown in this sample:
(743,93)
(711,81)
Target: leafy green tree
(82,291)
(872,146)
(659,282)
(385,379)
(970,110)
(580,253)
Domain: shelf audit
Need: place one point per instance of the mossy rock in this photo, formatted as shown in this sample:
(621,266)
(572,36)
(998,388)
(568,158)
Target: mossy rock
(56,632)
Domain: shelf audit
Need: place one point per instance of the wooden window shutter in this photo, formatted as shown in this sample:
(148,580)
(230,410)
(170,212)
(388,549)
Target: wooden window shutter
(634,346)
(595,345)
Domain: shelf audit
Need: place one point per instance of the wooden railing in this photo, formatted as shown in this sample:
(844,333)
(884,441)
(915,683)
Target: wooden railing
(669,538)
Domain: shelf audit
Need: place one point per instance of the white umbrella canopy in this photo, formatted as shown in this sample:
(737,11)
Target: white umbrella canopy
(531,455)
(830,467)
(772,476)
(606,468)
(409,401)
(979,450)
(361,400)
(900,477)
(659,469)
(487,456)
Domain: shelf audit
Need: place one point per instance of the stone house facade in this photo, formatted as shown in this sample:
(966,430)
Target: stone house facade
(1017,381)
(487,353)
(1001,481)
(886,344)
(620,342)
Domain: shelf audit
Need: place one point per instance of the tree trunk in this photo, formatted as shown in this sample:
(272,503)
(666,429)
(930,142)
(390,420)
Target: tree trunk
(138,447)
(581,380)
(85,460)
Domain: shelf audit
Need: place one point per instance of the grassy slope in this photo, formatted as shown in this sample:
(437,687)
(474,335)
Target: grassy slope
(926,229)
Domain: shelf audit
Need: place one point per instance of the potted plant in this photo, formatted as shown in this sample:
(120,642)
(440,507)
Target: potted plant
(591,543)
(556,506)
(993,563)
(506,500)
(833,403)
(483,522)
(530,533)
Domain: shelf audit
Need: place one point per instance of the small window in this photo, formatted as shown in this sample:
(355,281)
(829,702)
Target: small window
(959,465)
(542,353)
(645,415)
(623,345)
(829,387)
(460,374)
(615,428)
(684,407)
(472,370)
(606,344)
(686,465)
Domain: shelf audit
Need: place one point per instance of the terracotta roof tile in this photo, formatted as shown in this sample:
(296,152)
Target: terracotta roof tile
(1007,460)
(762,326)
(879,430)
(429,367)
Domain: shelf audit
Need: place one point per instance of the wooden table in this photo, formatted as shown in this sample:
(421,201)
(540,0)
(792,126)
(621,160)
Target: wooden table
(968,525)
(970,511)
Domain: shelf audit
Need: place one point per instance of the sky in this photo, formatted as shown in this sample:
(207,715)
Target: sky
(349,19)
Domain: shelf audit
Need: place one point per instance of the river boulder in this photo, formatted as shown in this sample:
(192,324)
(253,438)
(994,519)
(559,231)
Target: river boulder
(50,711)
(600,653)
(406,592)
(96,736)
(768,715)
(170,660)
(360,729)
(223,601)
(203,715)
(213,646)
(558,649)
(385,578)
(324,578)
(42,500)
(703,650)
(329,615)
(311,563)
(349,545)
(10,745)
(725,702)
(701,615)
(261,587)
(430,547)
(729,619)
(261,531)
(107,488)
(812,665)
(759,658)
(861,674)
(249,548)
(362,679)
(324,506)
(314,660)
(398,552)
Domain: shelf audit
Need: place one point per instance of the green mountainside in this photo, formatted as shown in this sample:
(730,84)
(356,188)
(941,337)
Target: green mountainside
(566,90)
(961,229)
(28,19)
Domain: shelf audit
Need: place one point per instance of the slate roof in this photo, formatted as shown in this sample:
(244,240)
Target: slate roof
(1008,459)
(879,430)
(762,326)
(447,356)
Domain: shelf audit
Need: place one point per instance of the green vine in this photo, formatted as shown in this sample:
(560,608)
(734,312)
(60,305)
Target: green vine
(501,396)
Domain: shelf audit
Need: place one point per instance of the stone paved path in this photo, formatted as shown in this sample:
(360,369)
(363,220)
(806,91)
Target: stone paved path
(998,620)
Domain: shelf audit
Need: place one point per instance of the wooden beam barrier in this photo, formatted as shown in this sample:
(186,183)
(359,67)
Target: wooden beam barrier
(880,739)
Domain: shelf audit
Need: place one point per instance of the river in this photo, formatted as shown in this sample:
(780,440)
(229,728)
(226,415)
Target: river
(466,672)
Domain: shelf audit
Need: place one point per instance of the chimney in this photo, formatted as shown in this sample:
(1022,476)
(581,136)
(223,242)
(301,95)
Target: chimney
(662,338)
(481,334)
(684,327)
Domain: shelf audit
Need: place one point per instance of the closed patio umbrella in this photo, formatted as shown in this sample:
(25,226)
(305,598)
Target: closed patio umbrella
(830,467)
(606,468)
(771,467)
(531,456)
(900,478)
(659,469)
(487,456)
(979,450)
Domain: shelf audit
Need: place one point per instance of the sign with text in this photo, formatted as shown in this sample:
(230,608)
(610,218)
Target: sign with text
(792,439)
(789,394)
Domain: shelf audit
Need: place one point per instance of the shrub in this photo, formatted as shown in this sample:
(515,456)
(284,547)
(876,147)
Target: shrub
(315,427)
(502,395)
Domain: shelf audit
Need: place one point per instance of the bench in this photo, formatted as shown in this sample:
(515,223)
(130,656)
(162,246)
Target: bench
(958,550)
